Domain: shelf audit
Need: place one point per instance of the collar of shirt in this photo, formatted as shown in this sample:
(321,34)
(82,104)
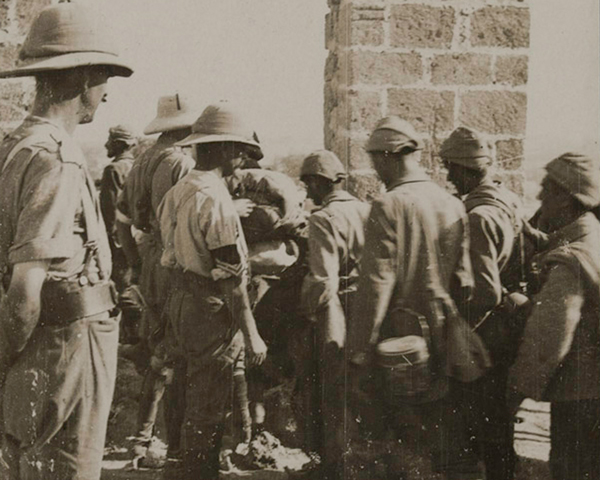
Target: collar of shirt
(337,196)
(409,178)
(124,156)
(572,232)
(61,133)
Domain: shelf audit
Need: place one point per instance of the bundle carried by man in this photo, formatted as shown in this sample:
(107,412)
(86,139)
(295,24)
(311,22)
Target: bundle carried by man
(277,222)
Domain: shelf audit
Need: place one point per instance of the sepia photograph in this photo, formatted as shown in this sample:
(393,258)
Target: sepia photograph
(299,240)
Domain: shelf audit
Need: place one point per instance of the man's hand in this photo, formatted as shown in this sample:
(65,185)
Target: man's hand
(256,349)
(243,207)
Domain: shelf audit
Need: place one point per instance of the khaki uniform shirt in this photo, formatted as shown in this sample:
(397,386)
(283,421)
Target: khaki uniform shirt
(151,176)
(197,217)
(395,265)
(335,242)
(559,357)
(494,224)
(42,190)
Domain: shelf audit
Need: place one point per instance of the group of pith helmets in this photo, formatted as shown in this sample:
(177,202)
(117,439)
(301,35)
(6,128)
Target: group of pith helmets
(68,36)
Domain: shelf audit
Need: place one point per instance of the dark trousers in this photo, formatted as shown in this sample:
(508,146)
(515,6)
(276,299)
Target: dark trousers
(489,423)
(203,328)
(331,427)
(57,400)
(575,440)
(434,428)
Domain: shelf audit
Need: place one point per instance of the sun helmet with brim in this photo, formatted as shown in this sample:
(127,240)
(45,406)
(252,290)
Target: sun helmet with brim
(173,112)
(221,123)
(67,36)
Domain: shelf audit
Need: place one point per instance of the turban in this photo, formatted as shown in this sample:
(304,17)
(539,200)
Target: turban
(579,175)
(468,148)
(392,134)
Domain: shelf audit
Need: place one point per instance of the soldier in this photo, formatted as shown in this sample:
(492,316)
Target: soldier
(495,225)
(152,175)
(58,339)
(119,146)
(559,357)
(209,308)
(335,242)
(412,230)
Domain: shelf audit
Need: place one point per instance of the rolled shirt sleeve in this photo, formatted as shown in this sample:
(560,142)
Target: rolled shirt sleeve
(219,224)
(548,333)
(322,282)
(49,199)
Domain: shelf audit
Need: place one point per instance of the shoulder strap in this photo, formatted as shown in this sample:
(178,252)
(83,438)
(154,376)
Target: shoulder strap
(31,142)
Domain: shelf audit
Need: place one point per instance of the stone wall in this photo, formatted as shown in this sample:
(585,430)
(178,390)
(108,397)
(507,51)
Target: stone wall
(15,95)
(437,63)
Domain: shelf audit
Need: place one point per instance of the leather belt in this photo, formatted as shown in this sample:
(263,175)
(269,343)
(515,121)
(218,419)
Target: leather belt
(62,304)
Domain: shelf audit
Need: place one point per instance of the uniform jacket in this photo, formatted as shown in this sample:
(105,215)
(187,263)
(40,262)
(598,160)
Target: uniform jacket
(559,358)
(335,241)
(494,224)
(394,266)
(151,176)
(111,186)
(41,193)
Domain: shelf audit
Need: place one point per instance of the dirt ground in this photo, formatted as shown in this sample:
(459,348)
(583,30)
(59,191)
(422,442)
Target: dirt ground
(532,442)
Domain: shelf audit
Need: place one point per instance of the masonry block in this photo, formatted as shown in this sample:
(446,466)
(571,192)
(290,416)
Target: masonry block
(461,69)
(512,69)
(386,68)
(4,8)
(365,185)
(367,25)
(365,109)
(14,101)
(428,110)
(513,181)
(495,112)
(500,27)
(421,26)
(8,55)
(509,154)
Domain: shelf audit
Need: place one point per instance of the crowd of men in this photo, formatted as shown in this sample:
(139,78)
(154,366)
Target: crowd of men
(198,233)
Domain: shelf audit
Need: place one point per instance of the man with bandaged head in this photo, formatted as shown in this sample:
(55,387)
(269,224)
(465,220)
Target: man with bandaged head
(415,228)
(495,225)
(559,357)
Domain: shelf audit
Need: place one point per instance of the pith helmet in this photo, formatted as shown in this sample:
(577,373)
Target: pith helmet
(325,164)
(172,113)
(466,147)
(222,123)
(67,35)
(393,134)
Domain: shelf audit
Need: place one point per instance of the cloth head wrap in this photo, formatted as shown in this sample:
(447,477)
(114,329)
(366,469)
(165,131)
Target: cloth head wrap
(579,175)
(468,148)
(393,134)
